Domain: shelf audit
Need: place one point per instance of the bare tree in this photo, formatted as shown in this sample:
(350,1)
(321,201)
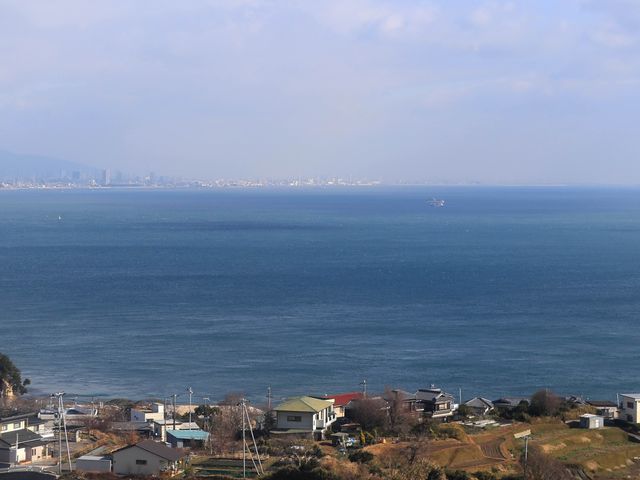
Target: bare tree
(397,415)
(226,423)
(370,413)
(541,466)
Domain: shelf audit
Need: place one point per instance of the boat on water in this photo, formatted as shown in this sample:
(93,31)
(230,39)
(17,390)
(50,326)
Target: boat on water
(436,202)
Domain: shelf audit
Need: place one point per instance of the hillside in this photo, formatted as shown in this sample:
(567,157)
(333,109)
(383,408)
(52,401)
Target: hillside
(14,165)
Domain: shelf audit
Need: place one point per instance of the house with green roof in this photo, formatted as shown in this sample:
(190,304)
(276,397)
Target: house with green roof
(304,416)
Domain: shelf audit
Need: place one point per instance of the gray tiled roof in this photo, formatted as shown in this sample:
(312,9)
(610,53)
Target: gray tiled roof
(158,449)
(22,436)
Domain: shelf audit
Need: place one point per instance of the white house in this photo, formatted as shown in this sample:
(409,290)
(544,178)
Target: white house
(302,415)
(630,407)
(156,412)
(160,427)
(147,458)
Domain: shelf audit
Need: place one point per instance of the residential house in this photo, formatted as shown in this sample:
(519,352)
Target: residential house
(156,412)
(434,403)
(143,429)
(304,416)
(630,407)
(479,406)
(21,446)
(160,427)
(605,408)
(401,399)
(148,458)
(14,422)
(341,400)
(509,403)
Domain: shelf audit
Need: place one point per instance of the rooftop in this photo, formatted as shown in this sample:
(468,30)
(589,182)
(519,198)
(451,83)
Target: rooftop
(635,396)
(188,434)
(342,399)
(303,404)
(601,403)
(21,436)
(158,449)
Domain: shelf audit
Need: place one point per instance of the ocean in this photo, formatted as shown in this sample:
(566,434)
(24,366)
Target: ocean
(143,293)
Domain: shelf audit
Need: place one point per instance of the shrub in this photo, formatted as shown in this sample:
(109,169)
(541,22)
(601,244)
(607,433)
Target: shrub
(361,456)
(457,475)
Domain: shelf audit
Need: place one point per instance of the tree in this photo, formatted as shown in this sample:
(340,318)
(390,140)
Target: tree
(397,415)
(465,411)
(544,404)
(370,413)
(11,382)
(541,466)
(205,411)
(269,422)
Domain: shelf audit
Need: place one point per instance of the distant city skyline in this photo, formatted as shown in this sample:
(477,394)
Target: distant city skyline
(495,92)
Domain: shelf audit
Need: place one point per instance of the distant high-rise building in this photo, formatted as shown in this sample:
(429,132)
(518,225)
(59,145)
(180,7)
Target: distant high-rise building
(106,177)
(75,176)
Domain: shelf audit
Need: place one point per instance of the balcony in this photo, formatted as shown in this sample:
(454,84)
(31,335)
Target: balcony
(325,423)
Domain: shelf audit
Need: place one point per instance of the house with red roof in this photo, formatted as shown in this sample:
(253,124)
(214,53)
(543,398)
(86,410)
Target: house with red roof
(341,400)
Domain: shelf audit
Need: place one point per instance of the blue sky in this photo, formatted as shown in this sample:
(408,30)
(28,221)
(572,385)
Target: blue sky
(457,90)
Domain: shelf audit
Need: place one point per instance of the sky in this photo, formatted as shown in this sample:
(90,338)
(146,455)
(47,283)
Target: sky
(544,91)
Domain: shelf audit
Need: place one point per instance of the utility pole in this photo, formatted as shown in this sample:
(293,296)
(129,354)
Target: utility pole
(174,410)
(208,421)
(246,421)
(364,388)
(244,444)
(190,391)
(62,423)
(525,435)
(526,455)
(269,397)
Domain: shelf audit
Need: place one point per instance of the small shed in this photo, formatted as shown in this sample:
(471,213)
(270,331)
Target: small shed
(588,420)
(187,438)
(339,438)
(93,464)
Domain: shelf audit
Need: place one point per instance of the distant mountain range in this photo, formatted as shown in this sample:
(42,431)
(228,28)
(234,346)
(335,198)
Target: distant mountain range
(16,166)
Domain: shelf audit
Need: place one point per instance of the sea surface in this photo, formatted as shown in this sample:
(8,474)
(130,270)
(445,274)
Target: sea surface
(142,293)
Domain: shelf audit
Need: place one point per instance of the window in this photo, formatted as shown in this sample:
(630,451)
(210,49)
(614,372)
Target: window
(629,418)
(141,462)
(294,418)
(4,428)
(16,425)
(629,404)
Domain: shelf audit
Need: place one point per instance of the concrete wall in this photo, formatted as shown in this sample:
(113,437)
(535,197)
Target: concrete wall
(89,465)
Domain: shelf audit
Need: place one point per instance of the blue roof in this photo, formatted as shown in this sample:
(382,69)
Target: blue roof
(188,434)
